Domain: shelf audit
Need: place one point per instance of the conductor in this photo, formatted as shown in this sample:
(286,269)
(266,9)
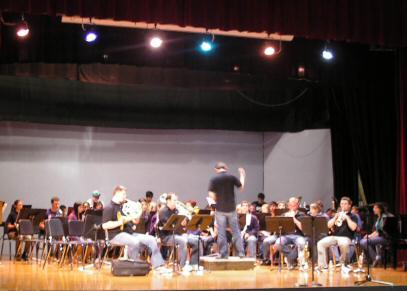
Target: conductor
(222,190)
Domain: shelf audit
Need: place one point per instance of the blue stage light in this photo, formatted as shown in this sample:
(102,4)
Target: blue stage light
(206,46)
(90,36)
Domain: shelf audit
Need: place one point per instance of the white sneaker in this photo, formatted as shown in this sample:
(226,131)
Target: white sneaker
(161,270)
(187,269)
(304,267)
(345,269)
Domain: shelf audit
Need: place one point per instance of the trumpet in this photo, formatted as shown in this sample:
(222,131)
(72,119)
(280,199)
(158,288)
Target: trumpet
(341,217)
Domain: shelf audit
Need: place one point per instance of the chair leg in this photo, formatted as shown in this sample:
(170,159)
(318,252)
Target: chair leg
(9,246)
(333,255)
(2,245)
(394,250)
(49,248)
(18,251)
(71,252)
(63,256)
(44,250)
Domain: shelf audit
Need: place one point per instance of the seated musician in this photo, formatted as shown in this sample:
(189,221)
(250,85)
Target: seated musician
(267,238)
(272,208)
(260,202)
(95,200)
(183,241)
(343,226)
(377,237)
(11,221)
(249,230)
(12,227)
(55,210)
(297,237)
(76,213)
(118,231)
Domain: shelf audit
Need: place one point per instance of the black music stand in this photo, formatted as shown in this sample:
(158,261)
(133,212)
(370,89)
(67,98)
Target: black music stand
(280,211)
(93,230)
(280,225)
(36,215)
(173,224)
(199,222)
(313,227)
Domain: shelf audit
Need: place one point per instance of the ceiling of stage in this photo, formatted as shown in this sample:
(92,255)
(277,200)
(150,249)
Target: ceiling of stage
(120,81)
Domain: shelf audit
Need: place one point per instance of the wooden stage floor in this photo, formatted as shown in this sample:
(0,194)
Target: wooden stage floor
(23,276)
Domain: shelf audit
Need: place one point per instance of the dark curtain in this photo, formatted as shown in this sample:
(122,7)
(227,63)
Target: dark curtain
(345,170)
(159,98)
(366,21)
(364,126)
(402,141)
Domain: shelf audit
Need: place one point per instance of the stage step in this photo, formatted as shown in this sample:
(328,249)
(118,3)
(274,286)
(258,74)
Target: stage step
(232,263)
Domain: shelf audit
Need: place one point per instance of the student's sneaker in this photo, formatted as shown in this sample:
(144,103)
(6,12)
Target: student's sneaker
(304,267)
(346,269)
(162,270)
(187,269)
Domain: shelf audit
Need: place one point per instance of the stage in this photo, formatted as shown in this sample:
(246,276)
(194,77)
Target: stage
(23,276)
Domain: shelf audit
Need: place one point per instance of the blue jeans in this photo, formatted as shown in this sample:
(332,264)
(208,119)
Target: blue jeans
(149,242)
(183,241)
(130,241)
(222,220)
(291,253)
(373,242)
(251,246)
(267,242)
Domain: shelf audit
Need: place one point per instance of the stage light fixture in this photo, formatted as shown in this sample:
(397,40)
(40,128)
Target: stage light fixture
(301,71)
(206,46)
(91,36)
(22,29)
(269,50)
(156,42)
(327,54)
(208,43)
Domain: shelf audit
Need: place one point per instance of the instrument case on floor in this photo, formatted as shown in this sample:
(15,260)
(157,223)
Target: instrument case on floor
(130,268)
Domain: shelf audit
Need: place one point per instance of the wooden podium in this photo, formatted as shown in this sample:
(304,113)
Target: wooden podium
(211,263)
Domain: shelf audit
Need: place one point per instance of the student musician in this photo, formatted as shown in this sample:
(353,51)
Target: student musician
(343,226)
(12,227)
(118,231)
(297,238)
(377,237)
(249,230)
(183,241)
(55,210)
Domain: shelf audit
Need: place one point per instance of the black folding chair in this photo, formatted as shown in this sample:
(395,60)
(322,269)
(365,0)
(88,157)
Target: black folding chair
(55,238)
(4,236)
(26,236)
(92,235)
(75,240)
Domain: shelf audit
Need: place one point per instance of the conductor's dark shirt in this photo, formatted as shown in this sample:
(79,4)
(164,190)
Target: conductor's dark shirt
(223,185)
